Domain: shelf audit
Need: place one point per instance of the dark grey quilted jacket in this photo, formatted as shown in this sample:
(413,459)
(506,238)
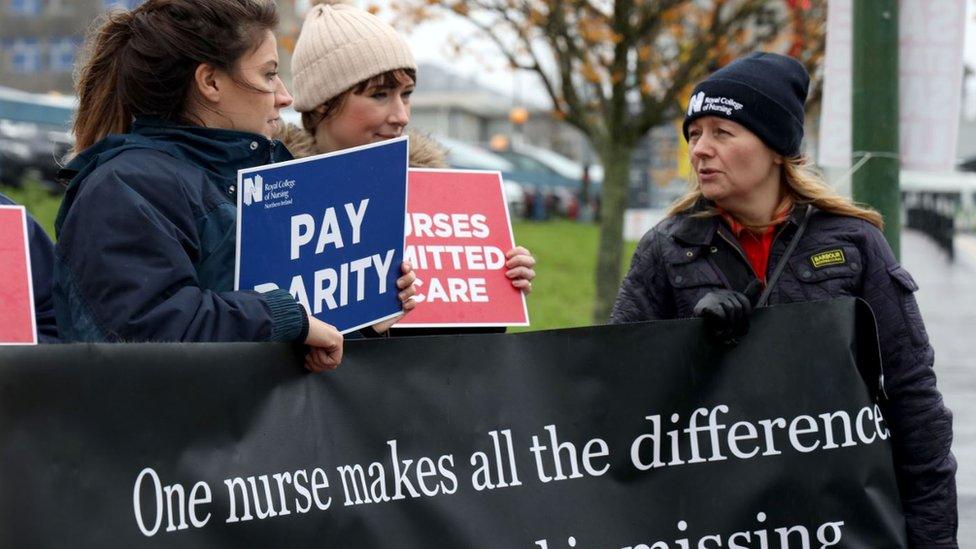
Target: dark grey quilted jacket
(684,257)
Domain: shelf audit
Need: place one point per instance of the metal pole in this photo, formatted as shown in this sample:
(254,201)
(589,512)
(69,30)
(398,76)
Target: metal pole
(875,111)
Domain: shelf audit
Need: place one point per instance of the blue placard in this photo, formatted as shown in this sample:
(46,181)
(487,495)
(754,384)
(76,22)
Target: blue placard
(329,229)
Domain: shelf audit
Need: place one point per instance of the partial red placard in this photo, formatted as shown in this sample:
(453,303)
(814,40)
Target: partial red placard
(458,230)
(17,324)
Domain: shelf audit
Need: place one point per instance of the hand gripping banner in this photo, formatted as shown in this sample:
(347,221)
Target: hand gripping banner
(638,436)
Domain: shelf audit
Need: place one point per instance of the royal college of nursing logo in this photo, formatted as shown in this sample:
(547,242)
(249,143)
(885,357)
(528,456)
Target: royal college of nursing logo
(725,105)
(253,189)
(695,105)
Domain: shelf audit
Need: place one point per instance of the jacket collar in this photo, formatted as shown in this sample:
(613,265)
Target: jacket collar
(700,230)
(696,230)
(783,211)
(217,151)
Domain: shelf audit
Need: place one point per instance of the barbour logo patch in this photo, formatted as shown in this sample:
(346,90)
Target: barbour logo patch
(828,258)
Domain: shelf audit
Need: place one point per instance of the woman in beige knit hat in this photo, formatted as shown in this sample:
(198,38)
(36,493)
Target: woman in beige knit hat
(353,76)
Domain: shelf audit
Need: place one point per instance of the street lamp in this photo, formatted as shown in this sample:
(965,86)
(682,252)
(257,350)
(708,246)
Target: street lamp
(518,116)
(498,143)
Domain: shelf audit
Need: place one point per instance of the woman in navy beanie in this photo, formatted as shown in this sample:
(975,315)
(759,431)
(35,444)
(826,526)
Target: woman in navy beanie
(758,220)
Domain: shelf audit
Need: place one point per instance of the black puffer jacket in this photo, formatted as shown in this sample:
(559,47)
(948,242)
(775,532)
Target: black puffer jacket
(684,257)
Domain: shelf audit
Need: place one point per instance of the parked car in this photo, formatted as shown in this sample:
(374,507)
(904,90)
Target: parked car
(558,179)
(15,160)
(565,167)
(462,156)
(31,150)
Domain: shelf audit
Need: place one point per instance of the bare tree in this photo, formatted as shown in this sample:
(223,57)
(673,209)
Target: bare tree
(615,69)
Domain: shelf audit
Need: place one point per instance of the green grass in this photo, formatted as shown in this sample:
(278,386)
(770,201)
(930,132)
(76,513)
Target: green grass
(39,203)
(562,293)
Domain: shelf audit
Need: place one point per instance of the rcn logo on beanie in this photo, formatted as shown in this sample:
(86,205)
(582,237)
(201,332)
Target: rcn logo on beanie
(725,105)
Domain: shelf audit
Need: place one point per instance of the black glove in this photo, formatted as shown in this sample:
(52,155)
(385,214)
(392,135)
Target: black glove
(726,313)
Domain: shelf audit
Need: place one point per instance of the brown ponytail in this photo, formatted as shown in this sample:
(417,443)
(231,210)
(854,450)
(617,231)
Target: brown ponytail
(100,108)
(141,63)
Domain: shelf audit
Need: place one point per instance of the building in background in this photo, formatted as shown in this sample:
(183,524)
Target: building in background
(40,39)
(40,42)
(448,105)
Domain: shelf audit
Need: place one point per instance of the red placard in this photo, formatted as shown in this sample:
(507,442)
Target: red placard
(458,230)
(17,324)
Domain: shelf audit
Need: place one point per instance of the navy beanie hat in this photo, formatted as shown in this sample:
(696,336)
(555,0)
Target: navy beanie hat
(764,92)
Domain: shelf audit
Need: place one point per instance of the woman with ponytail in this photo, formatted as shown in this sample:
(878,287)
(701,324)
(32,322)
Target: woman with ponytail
(758,219)
(353,78)
(175,97)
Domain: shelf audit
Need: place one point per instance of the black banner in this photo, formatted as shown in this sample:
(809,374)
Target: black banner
(644,436)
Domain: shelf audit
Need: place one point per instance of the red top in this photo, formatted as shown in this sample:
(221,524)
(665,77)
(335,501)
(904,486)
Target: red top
(757,243)
(757,247)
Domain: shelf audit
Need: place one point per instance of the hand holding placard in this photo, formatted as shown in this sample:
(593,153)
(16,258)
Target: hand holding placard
(326,346)
(520,271)
(408,289)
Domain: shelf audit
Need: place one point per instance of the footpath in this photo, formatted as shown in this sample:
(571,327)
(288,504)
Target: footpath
(947,298)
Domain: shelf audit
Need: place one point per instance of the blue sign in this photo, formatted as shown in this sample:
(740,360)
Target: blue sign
(329,229)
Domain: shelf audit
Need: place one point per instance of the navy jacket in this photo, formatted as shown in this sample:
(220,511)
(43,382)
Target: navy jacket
(42,274)
(684,257)
(146,240)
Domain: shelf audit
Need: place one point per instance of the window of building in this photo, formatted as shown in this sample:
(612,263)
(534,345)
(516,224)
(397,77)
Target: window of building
(24,55)
(62,54)
(63,8)
(26,7)
(121,4)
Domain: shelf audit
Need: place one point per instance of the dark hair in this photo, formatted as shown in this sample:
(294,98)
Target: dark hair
(388,79)
(142,62)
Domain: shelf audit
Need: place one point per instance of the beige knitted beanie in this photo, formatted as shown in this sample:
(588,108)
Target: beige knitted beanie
(340,46)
